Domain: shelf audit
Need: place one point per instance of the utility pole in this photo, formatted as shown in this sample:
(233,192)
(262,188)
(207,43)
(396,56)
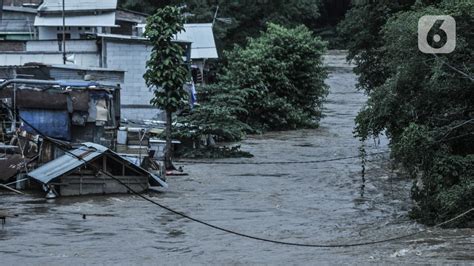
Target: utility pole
(1,10)
(64,32)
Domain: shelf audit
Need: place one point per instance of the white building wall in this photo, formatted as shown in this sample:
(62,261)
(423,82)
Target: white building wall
(126,56)
(54,46)
(11,58)
(51,33)
(135,94)
(48,52)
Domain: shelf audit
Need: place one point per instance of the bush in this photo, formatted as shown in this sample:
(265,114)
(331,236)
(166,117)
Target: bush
(281,77)
(276,82)
(216,115)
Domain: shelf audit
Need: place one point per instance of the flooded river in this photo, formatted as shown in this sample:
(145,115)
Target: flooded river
(318,203)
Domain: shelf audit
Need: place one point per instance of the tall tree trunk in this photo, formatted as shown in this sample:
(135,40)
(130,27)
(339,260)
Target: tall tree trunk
(169,147)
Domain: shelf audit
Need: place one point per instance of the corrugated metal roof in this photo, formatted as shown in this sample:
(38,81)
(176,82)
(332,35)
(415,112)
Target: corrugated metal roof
(20,9)
(77,5)
(202,38)
(16,26)
(101,20)
(67,162)
(88,152)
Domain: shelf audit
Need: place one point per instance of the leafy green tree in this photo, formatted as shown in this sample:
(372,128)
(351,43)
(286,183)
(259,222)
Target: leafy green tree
(281,77)
(146,6)
(166,70)
(247,18)
(216,115)
(276,82)
(424,104)
(361,33)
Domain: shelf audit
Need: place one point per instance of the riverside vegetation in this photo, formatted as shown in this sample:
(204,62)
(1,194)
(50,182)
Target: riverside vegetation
(423,103)
(275,82)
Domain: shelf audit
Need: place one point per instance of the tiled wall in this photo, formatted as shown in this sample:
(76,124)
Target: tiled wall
(135,94)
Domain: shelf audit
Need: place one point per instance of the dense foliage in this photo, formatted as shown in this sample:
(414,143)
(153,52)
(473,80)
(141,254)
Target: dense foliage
(166,71)
(281,78)
(214,120)
(276,82)
(284,93)
(423,102)
(361,32)
(238,20)
(216,115)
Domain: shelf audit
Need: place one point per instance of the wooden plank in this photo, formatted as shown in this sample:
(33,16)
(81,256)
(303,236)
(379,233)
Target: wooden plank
(95,185)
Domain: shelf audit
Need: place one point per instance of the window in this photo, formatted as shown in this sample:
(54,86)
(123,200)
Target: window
(61,28)
(60,36)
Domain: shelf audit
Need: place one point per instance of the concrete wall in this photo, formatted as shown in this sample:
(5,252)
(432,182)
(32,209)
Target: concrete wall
(51,33)
(79,46)
(135,95)
(104,77)
(21,58)
(48,52)
(16,46)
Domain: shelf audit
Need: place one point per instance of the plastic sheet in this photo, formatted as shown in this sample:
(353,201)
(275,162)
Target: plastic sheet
(55,124)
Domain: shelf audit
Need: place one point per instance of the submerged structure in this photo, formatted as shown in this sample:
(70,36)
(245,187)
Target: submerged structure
(73,111)
(87,170)
(44,121)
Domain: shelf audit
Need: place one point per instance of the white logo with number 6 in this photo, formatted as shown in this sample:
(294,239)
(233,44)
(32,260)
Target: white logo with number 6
(437,34)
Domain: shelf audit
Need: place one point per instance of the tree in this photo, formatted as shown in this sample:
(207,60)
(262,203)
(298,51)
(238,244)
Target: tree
(361,32)
(216,115)
(248,18)
(422,102)
(276,82)
(281,77)
(166,70)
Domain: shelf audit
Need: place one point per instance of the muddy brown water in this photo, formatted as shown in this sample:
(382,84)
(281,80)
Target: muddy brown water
(305,203)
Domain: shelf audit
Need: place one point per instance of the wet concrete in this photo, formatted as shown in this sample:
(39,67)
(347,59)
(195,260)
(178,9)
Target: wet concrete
(306,203)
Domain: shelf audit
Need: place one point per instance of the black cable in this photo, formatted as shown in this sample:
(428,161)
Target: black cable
(281,162)
(228,230)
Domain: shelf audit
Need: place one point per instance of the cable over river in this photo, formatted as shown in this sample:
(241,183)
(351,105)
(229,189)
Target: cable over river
(314,203)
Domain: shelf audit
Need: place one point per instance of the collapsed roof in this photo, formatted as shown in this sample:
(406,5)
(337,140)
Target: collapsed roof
(80,157)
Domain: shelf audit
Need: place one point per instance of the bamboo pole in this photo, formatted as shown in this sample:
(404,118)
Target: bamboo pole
(12,189)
